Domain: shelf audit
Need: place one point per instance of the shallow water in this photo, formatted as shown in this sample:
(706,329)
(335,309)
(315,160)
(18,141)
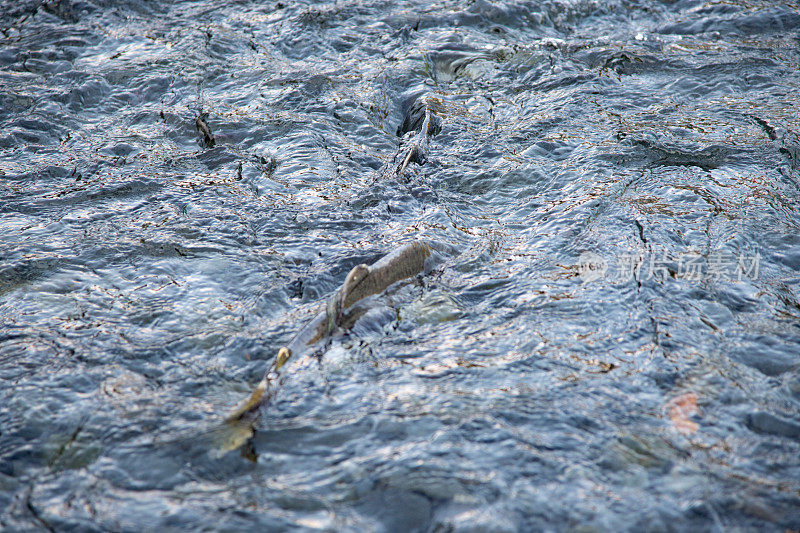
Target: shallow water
(147,278)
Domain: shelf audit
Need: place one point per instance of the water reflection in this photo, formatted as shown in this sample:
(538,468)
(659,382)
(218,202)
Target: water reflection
(148,277)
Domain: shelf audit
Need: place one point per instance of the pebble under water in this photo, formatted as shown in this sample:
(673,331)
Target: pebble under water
(610,342)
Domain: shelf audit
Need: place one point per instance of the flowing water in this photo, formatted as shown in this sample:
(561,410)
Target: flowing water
(612,342)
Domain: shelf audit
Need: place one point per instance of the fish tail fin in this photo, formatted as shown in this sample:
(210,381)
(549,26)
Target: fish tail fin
(232,435)
(239,426)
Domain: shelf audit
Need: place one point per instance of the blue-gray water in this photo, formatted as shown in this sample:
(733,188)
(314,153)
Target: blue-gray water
(147,279)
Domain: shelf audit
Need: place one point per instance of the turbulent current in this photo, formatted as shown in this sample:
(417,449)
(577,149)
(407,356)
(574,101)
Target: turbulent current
(609,341)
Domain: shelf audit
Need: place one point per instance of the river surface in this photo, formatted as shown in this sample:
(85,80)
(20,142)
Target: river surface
(612,342)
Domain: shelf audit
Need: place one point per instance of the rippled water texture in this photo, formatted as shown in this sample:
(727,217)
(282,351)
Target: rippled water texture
(148,275)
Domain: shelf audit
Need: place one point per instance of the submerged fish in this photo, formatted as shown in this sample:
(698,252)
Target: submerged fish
(421,119)
(340,312)
(201,123)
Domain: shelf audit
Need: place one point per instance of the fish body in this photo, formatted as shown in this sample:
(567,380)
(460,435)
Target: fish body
(340,311)
(422,120)
(202,126)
